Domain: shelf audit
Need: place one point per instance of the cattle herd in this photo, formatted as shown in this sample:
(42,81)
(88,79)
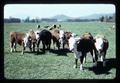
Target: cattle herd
(79,45)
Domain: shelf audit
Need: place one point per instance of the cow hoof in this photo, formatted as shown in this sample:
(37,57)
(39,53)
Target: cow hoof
(75,66)
(81,69)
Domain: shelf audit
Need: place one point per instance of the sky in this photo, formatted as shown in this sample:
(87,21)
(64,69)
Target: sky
(49,10)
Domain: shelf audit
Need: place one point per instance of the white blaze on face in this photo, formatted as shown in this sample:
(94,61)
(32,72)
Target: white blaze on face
(26,40)
(61,35)
(37,34)
(71,42)
(99,44)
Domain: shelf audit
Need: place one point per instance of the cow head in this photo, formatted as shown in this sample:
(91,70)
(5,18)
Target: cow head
(27,40)
(99,44)
(37,34)
(61,35)
(72,43)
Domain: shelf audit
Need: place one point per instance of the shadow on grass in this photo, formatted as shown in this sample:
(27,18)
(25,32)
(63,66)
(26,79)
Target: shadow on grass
(37,53)
(99,69)
(61,52)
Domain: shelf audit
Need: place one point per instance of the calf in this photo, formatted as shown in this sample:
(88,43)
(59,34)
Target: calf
(19,38)
(101,44)
(81,47)
(44,36)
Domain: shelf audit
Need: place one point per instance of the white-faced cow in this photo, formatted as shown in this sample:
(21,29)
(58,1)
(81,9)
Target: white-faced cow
(101,44)
(33,38)
(67,35)
(44,36)
(81,47)
(19,38)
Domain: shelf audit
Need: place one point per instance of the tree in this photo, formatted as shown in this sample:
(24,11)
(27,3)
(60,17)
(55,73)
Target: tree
(27,19)
(102,18)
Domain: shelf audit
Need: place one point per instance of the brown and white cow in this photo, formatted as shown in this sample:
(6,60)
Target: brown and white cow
(81,47)
(57,37)
(19,38)
(33,37)
(101,44)
(67,35)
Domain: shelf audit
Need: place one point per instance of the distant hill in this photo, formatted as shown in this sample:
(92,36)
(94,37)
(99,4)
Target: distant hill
(61,17)
(93,16)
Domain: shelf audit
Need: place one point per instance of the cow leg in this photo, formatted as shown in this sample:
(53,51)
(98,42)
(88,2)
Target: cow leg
(84,59)
(11,46)
(104,62)
(14,46)
(63,45)
(58,45)
(81,61)
(49,46)
(38,46)
(43,46)
(53,42)
(95,57)
(54,45)
(30,48)
(33,47)
(75,66)
(23,49)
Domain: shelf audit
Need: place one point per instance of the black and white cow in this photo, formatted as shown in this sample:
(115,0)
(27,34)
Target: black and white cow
(81,47)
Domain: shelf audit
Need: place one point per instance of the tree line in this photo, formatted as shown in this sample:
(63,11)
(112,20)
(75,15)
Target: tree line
(37,20)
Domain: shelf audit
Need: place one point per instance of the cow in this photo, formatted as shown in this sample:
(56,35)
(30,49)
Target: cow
(46,26)
(45,36)
(67,35)
(55,37)
(81,47)
(58,38)
(19,38)
(54,26)
(101,44)
(33,41)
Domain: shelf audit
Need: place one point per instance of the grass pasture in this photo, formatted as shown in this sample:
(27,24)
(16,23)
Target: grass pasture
(57,64)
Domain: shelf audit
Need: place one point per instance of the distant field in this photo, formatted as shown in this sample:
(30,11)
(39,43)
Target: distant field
(57,64)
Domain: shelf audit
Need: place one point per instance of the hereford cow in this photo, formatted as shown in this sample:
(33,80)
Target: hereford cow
(19,38)
(67,35)
(54,26)
(44,36)
(81,47)
(101,44)
(33,41)
(57,37)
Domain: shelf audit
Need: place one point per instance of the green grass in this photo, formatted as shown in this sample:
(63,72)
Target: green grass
(52,65)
